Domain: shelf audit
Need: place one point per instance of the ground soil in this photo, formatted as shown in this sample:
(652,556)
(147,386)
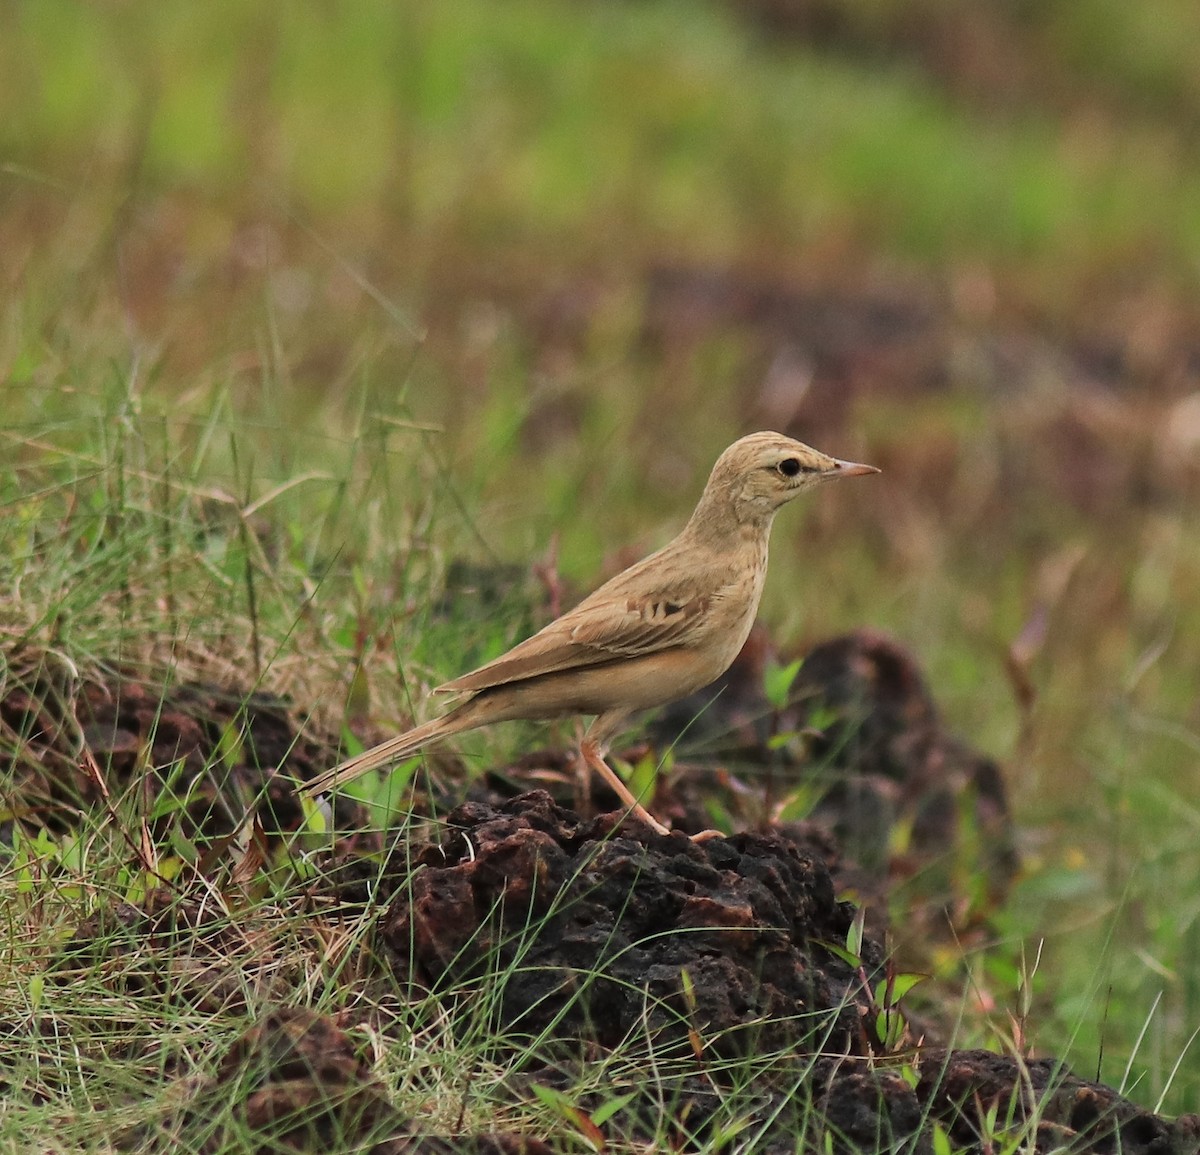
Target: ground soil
(718,950)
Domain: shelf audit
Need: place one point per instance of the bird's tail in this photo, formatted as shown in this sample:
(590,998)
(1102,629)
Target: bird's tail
(394,749)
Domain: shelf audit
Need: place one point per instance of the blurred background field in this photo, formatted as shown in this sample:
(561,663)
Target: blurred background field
(423,281)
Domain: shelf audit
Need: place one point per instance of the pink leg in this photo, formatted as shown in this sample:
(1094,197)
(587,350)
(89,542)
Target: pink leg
(590,749)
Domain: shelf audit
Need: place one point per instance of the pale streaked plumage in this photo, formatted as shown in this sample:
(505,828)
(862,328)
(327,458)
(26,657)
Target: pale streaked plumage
(658,631)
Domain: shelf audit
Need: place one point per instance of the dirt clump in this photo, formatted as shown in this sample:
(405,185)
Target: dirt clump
(596,926)
(299,1082)
(893,796)
(733,958)
(719,951)
(215,750)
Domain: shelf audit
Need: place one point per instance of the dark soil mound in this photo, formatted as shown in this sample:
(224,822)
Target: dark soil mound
(719,950)
(598,926)
(222,749)
(731,960)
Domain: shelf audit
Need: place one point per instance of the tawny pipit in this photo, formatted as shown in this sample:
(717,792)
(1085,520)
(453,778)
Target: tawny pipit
(659,631)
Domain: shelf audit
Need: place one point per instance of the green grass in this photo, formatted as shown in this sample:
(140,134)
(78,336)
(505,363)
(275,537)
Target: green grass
(122,540)
(275,354)
(573,126)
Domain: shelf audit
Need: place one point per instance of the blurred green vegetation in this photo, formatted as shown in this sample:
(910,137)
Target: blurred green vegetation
(657,126)
(433,235)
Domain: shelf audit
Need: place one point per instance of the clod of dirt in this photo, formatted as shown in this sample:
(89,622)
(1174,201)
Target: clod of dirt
(185,946)
(866,736)
(297,1082)
(595,931)
(220,749)
(881,726)
(599,928)
(960,1088)
(499,1144)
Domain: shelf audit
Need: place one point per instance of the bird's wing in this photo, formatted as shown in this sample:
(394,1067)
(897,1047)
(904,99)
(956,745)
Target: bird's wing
(599,629)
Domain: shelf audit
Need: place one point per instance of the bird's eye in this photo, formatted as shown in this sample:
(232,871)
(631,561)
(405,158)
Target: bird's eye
(789,467)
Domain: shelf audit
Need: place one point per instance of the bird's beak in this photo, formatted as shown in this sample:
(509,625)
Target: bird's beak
(850,469)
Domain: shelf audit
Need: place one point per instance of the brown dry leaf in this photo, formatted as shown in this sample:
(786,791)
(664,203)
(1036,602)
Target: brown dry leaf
(254,854)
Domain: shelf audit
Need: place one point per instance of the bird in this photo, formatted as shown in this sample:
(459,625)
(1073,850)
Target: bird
(656,632)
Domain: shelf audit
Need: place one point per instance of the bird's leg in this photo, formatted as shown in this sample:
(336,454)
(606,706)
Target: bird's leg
(583,776)
(593,755)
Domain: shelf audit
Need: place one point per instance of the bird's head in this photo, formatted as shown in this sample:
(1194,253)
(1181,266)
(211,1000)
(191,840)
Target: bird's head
(763,471)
